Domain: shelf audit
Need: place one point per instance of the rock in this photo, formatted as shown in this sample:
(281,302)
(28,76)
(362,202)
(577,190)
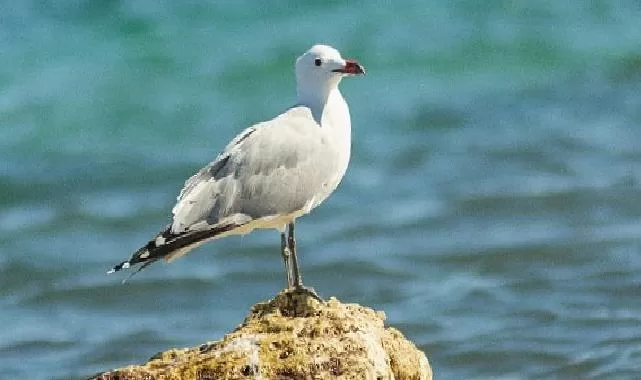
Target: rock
(293,336)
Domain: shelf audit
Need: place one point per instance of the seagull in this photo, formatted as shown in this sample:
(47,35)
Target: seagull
(270,174)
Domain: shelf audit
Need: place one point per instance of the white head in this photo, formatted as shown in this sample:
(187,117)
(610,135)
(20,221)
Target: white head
(321,69)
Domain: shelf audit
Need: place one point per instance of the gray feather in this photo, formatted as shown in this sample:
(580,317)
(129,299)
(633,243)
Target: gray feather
(261,173)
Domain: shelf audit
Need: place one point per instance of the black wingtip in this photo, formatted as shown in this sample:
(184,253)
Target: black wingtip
(143,266)
(123,265)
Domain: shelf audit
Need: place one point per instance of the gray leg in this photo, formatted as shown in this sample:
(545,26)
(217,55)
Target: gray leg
(284,250)
(291,244)
(296,276)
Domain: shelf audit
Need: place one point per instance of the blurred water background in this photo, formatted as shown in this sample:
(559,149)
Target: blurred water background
(492,207)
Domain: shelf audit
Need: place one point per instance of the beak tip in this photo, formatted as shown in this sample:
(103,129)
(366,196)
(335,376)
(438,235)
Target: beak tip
(353,67)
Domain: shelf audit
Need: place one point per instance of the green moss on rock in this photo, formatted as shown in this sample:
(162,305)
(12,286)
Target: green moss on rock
(293,336)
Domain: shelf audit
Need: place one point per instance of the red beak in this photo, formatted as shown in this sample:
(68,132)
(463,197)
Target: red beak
(351,67)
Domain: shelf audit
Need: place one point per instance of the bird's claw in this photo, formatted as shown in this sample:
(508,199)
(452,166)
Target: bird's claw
(301,289)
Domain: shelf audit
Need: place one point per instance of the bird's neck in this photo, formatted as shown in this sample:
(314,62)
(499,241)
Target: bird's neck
(332,115)
(328,107)
(331,112)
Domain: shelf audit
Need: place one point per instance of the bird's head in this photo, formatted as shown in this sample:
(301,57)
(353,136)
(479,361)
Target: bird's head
(323,67)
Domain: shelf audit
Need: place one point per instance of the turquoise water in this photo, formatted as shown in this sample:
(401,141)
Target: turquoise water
(492,207)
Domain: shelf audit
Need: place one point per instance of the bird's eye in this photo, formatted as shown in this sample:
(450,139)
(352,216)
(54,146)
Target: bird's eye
(318,62)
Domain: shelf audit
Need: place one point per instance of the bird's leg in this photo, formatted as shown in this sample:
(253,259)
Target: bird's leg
(296,276)
(284,250)
(291,244)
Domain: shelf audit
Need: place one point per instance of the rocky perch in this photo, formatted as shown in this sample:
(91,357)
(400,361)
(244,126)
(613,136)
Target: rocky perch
(293,336)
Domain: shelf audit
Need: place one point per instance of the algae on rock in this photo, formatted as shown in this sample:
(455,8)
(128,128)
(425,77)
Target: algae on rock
(294,336)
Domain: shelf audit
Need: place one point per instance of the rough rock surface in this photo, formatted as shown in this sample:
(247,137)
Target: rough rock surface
(294,336)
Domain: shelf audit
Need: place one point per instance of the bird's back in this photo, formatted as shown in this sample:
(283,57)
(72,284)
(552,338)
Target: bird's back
(287,165)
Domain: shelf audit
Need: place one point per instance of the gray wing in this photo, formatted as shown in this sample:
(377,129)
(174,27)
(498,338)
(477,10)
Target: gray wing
(273,168)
